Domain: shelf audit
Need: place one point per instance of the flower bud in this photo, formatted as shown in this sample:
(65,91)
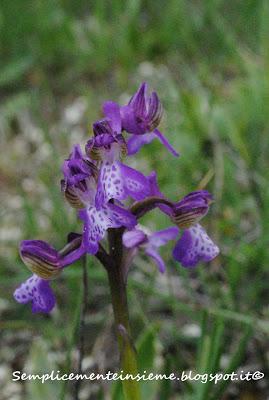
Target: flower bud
(42,259)
(191,209)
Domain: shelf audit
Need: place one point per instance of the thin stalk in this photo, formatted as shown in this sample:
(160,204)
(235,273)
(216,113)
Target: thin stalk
(117,283)
(84,306)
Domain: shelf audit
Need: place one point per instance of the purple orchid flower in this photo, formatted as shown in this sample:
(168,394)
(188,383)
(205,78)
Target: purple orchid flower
(194,245)
(140,117)
(46,264)
(81,188)
(150,242)
(80,179)
(116,180)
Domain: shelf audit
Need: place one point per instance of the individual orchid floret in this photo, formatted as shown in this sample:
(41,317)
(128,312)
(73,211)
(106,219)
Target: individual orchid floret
(191,208)
(81,188)
(140,117)
(150,242)
(80,178)
(116,180)
(46,263)
(195,246)
(107,143)
(190,248)
(143,112)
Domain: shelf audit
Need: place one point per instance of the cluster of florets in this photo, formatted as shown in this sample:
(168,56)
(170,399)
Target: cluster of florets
(100,186)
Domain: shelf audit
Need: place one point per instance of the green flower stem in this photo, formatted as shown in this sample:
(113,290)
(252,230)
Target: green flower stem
(117,283)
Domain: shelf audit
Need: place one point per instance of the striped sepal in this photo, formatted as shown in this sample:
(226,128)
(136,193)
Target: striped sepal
(40,267)
(185,220)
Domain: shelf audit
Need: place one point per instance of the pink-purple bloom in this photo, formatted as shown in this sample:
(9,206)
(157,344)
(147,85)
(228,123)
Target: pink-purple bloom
(46,263)
(96,215)
(140,118)
(109,195)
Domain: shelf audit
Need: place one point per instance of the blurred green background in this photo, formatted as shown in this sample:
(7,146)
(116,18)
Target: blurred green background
(209,62)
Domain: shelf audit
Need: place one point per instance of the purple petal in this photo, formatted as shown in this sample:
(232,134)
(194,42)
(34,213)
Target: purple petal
(96,223)
(133,238)
(160,238)
(154,111)
(129,121)
(76,169)
(194,246)
(41,258)
(38,291)
(136,184)
(137,141)
(110,184)
(112,112)
(117,181)
(138,101)
(41,250)
(155,191)
(156,257)
(73,256)
(76,152)
(191,208)
(121,217)
(165,142)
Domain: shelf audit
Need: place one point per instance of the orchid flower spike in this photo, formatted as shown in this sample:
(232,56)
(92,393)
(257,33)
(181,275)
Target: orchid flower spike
(97,184)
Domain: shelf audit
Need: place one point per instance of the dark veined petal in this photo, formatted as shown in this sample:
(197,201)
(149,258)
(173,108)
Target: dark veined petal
(37,291)
(70,195)
(41,258)
(195,246)
(155,111)
(191,208)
